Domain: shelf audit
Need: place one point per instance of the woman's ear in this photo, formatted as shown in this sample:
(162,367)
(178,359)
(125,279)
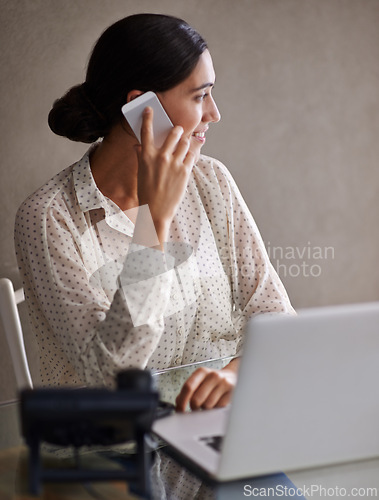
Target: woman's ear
(133,94)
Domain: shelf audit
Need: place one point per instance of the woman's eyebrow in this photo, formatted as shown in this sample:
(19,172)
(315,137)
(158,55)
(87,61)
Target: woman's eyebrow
(204,86)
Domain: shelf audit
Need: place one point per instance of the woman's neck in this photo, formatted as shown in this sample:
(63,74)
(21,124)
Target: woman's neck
(114,168)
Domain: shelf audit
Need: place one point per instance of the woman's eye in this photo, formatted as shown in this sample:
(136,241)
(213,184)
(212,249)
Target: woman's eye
(202,97)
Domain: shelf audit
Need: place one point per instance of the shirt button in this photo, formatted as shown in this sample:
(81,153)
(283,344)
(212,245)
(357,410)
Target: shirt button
(180,330)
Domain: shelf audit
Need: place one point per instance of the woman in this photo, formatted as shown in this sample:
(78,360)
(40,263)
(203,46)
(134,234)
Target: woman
(138,256)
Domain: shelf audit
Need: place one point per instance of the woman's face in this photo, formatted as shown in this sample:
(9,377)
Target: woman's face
(190,104)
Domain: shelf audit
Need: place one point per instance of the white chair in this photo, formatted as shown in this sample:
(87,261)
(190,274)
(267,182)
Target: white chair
(10,319)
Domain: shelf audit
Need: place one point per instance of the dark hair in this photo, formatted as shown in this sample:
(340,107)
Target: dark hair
(144,52)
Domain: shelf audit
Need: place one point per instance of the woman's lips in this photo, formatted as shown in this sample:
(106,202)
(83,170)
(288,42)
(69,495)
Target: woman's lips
(199,136)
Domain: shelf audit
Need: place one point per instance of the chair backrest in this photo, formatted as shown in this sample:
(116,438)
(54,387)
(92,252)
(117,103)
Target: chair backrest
(10,319)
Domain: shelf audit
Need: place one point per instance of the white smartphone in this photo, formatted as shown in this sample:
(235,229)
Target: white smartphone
(161,122)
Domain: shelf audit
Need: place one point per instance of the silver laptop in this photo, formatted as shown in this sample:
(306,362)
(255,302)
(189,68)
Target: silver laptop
(307,395)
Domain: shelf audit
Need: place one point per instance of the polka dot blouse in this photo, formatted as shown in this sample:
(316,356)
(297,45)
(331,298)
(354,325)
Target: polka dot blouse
(100,303)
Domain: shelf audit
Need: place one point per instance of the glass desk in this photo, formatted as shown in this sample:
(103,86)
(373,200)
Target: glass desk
(172,481)
(14,479)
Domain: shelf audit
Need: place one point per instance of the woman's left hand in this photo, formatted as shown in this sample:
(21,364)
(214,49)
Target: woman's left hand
(207,388)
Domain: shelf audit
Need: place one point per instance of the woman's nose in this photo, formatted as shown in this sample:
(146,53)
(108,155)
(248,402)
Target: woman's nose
(212,112)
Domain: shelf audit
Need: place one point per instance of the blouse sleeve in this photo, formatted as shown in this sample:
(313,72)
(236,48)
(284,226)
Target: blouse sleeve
(256,287)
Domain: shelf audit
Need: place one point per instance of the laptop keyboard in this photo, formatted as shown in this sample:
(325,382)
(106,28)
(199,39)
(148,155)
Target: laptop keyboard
(214,442)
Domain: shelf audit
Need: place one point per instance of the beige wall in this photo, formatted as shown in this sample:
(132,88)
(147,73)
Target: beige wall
(298,90)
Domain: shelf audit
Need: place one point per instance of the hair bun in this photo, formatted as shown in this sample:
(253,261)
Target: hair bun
(76,117)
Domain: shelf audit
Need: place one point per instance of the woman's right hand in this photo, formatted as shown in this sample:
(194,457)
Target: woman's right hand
(162,173)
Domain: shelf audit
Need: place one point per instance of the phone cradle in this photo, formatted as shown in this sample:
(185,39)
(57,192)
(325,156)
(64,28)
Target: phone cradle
(91,417)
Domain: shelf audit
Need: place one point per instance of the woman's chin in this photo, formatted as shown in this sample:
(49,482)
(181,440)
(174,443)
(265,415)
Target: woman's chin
(196,150)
